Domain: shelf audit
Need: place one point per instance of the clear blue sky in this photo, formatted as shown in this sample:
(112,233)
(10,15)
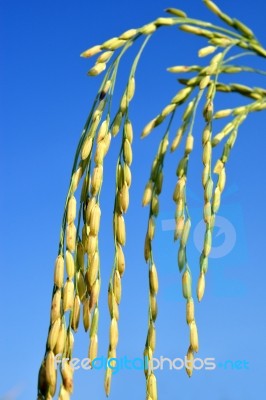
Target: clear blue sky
(45,98)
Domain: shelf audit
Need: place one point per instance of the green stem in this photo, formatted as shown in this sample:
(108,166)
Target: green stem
(245,53)
(255,70)
(131,74)
(198,97)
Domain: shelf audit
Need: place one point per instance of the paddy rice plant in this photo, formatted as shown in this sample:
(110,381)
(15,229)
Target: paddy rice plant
(77,269)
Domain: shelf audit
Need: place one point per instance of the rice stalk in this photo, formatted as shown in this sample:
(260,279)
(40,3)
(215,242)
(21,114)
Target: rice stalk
(65,297)
(207,182)
(177,100)
(92,226)
(151,197)
(77,278)
(123,182)
(90,285)
(183,225)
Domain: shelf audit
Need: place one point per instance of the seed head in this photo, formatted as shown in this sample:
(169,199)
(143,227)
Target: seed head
(56,306)
(94,294)
(96,180)
(93,349)
(189,361)
(153,278)
(128,34)
(91,52)
(186,284)
(86,148)
(152,387)
(53,333)
(50,369)
(205,51)
(67,377)
(120,260)
(201,286)
(95,218)
(127,152)
(68,295)
(76,314)
(113,337)
(194,336)
(71,233)
(117,287)
(70,265)
(97,69)
(190,311)
(86,315)
(59,271)
(61,340)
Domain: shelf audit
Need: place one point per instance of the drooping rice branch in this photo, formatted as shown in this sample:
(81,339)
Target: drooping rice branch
(219,168)
(67,299)
(123,182)
(207,182)
(183,225)
(83,277)
(176,101)
(87,283)
(92,223)
(151,196)
(257,105)
(239,26)
(212,199)
(93,215)
(63,296)
(217,35)
(76,267)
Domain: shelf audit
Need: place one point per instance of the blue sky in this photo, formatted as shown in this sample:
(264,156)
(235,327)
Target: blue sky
(45,98)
